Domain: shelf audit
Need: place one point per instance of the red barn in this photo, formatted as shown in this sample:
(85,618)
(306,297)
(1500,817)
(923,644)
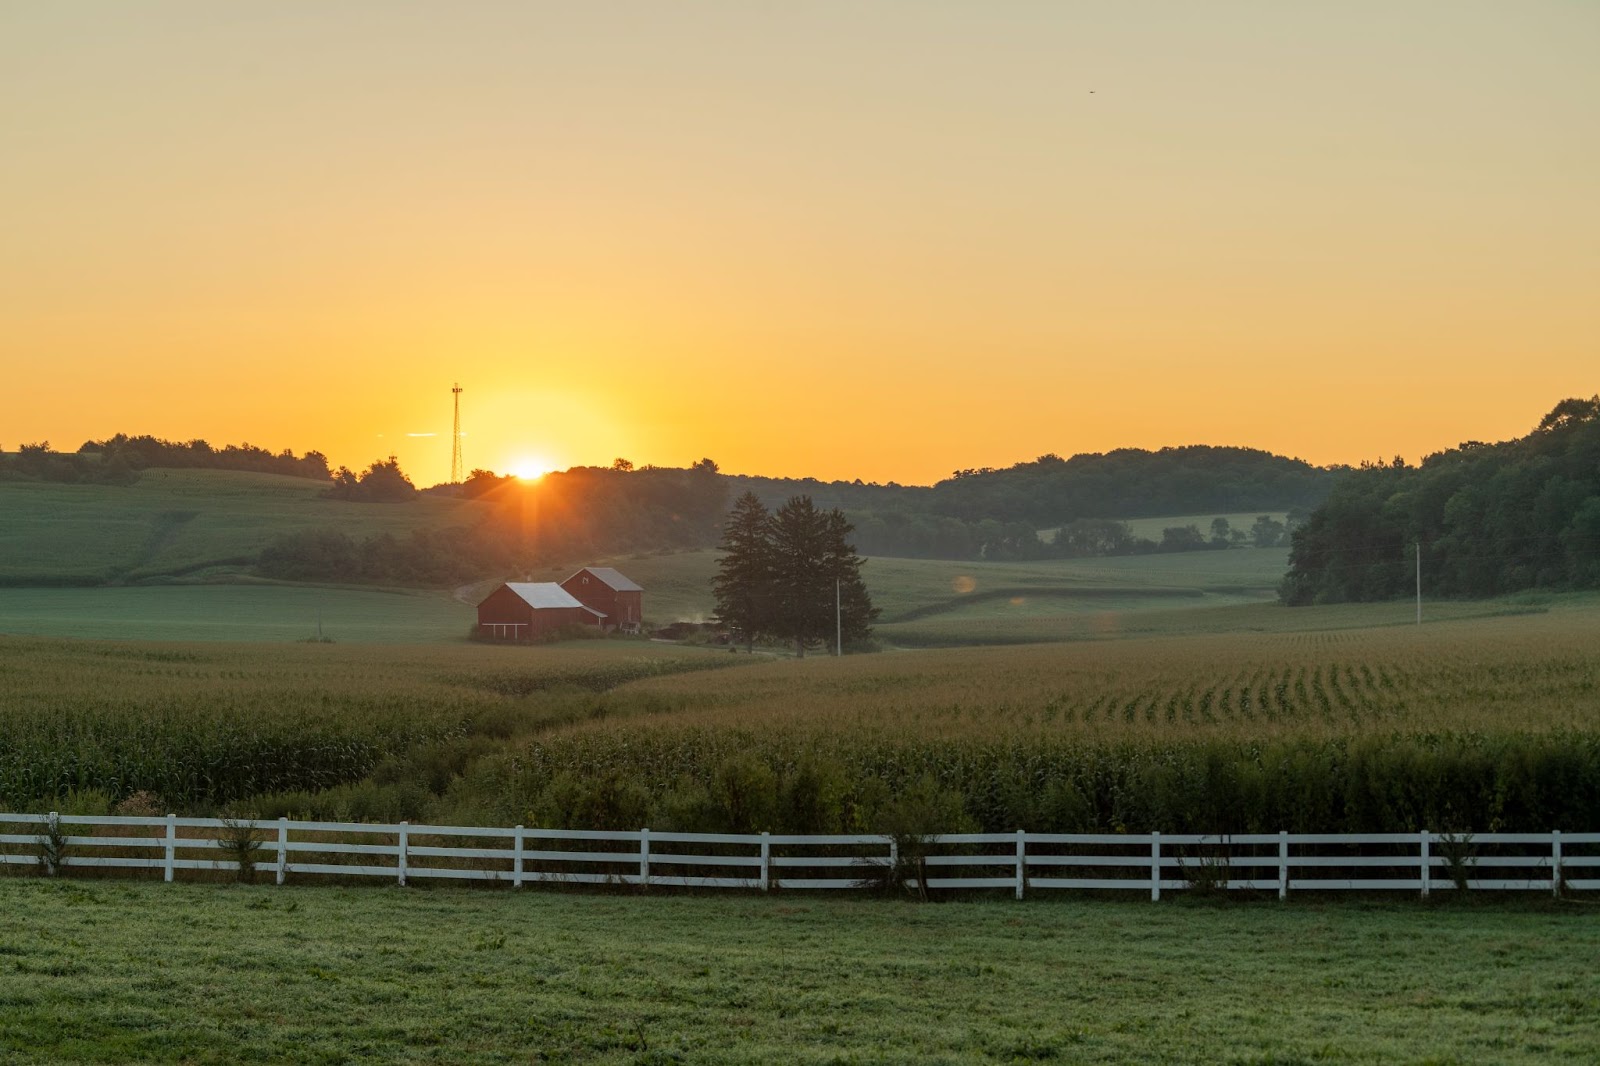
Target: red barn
(528,610)
(605,590)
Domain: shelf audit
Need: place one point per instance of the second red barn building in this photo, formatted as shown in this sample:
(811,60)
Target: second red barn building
(609,592)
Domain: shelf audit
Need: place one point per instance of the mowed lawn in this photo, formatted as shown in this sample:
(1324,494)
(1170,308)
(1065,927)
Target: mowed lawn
(101,971)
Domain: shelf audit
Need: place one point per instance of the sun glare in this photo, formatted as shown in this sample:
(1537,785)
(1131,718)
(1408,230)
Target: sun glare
(530,469)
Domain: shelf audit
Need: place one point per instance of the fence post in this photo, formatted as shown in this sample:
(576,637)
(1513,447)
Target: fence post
(172,846)
(516,866)
(400,851)
(1283,864)
(1555,863)
(283,849)
(766,861)
(1022,861)
(1427,865)
(644,858)
(1155,866)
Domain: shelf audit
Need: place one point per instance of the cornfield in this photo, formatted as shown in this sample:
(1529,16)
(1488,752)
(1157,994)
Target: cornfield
(1491,724)
(1487,724)
(204,725)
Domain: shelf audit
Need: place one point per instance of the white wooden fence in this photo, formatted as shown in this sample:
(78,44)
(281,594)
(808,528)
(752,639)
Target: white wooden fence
(1024,863)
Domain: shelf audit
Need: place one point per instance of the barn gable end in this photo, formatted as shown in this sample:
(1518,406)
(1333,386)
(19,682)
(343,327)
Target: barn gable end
(610,592)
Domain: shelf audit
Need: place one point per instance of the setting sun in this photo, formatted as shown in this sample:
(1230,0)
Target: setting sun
(531,468)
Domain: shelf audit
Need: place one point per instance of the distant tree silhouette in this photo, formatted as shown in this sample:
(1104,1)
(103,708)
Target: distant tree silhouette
(1490,519)
(382,482)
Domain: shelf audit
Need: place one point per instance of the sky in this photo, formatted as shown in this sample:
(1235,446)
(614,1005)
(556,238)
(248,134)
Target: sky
(874,239)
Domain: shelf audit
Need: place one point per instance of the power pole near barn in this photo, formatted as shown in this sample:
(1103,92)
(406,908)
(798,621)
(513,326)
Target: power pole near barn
(838,621)
(455,439)
(1419,582)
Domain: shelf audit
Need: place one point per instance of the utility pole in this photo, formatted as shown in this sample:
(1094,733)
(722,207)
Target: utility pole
(1419,581)
(838,622)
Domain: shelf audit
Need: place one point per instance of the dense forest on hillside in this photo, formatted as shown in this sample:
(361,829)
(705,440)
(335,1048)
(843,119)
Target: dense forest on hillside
(1133,483)
(1490,518)
(1052,491)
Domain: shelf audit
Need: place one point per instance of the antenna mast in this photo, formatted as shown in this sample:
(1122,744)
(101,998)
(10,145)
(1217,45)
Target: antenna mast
(455,439)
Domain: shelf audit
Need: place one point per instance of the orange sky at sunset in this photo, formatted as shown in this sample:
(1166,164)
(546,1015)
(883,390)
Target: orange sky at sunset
(879,240)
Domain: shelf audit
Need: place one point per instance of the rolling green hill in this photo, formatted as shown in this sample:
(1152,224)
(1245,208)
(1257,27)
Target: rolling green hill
(235,612)
(180,523)
(170,558)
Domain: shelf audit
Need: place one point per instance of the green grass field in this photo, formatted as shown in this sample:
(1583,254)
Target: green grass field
(932,601)
(236,612)
(179,522)
(331,975)
(924,601)
(1151,528)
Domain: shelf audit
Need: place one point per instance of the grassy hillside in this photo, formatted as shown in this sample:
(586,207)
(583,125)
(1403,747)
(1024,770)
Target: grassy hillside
(235,612)
(201,527)
(179,522)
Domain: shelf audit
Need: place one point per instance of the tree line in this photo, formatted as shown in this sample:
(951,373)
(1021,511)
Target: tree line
(1134,483)
(791,575)
(1489,519)
(144,451)
(38,462)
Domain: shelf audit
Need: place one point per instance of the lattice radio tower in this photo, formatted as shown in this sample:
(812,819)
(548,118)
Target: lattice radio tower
(455,439)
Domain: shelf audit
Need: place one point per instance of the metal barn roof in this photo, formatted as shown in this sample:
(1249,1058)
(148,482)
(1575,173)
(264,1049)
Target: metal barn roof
(538,594)
(611,577)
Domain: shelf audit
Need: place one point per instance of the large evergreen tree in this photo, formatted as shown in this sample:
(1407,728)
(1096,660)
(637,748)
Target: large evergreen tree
(779,574)
(743,585)
(799,545)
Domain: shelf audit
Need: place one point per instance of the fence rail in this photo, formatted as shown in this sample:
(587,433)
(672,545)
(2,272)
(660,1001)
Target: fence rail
(1421,862)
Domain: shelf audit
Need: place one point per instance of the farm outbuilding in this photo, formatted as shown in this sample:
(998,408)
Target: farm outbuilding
(526,610)
(609,592)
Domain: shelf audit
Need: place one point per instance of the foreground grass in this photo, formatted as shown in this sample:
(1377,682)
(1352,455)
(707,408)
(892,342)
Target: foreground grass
(114,972)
